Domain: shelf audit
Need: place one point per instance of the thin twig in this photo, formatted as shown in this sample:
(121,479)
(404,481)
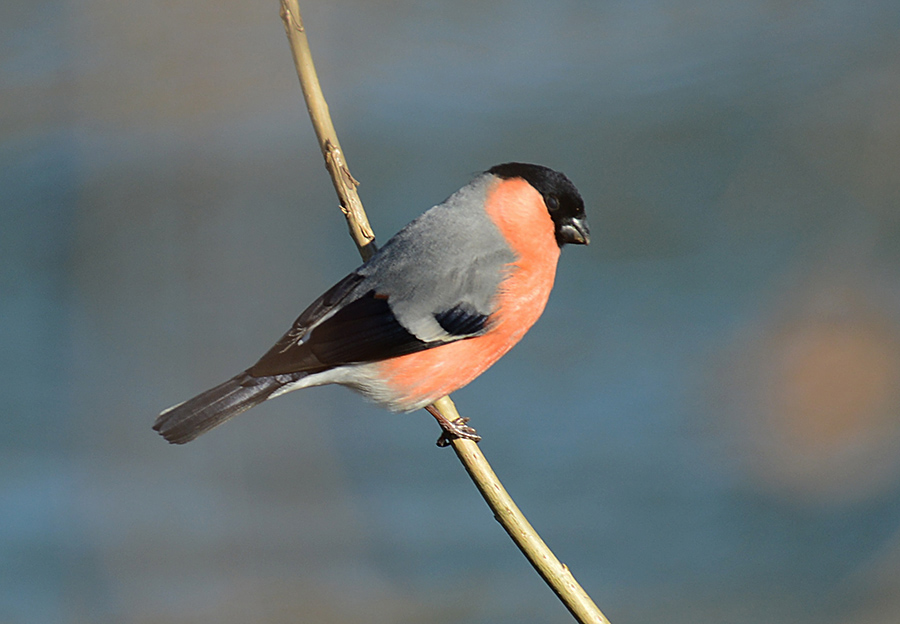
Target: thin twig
(344,183)
(555,573)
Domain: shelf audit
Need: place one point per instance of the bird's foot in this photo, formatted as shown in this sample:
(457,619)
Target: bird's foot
(452,428)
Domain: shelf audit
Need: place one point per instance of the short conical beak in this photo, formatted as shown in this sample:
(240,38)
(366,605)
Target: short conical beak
(574,231)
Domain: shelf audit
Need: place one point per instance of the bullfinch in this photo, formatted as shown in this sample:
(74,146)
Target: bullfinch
(438,304)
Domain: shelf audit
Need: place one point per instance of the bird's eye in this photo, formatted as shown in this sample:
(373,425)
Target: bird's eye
(552,203)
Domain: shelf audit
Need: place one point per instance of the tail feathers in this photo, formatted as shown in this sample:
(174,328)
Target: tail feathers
(185,421)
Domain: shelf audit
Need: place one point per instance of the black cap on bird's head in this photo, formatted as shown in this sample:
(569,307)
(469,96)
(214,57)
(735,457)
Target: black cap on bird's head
(562,199)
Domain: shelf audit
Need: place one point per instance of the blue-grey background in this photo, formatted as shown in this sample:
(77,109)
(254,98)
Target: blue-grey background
(705,424)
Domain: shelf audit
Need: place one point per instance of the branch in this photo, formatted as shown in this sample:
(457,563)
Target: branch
(555,573)
(344,183)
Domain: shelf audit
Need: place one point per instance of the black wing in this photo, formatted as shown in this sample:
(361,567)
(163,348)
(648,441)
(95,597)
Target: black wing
(362,330)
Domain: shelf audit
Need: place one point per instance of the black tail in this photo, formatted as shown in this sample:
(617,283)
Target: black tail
(184,422)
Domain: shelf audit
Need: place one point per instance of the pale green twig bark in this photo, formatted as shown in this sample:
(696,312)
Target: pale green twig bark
(555,573)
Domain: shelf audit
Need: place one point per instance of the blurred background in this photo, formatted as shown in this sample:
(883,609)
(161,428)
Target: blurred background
(705,424)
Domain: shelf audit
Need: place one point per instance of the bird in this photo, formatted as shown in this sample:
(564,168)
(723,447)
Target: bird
(432,309)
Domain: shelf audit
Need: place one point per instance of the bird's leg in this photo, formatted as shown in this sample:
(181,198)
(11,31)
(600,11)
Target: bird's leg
(452,428)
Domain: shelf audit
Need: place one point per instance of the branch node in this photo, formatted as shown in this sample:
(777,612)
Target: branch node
(291,21)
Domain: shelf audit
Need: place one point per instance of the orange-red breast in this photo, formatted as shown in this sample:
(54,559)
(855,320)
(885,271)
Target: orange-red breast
(439,303)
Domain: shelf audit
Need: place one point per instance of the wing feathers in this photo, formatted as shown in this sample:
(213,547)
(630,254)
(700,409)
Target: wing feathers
(363,330)
(462,320)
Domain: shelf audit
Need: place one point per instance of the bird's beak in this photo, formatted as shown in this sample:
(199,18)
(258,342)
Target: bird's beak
(575,231)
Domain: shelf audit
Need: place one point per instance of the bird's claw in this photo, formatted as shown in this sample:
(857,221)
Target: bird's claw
(452,429)
(457,429)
